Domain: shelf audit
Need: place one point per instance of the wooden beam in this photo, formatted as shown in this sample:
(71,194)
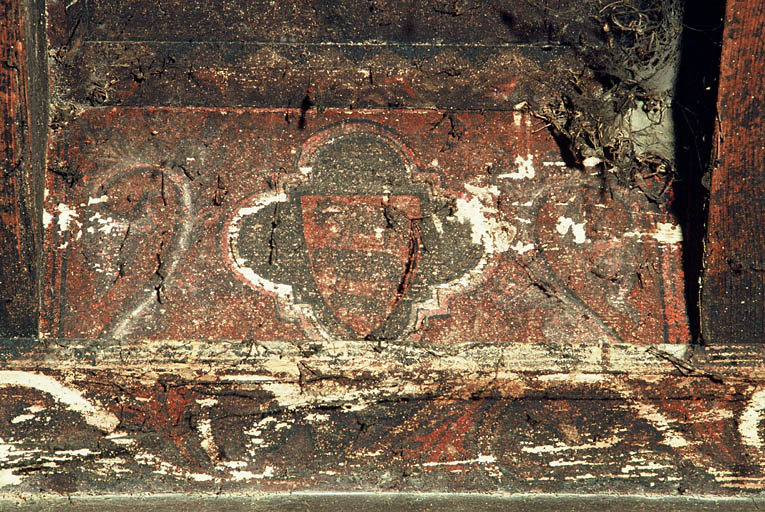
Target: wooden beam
(733,293)
(22,124)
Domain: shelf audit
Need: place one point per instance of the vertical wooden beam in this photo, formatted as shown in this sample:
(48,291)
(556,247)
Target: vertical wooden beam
(733,292)
(23,120)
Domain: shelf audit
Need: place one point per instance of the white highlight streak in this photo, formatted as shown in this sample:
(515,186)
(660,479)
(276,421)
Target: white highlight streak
(69,397)
(482,459)
(123,327)
(749,424)
(280,289)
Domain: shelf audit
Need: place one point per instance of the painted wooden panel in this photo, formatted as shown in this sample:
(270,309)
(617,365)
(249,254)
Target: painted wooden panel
(349,250)
(240,224)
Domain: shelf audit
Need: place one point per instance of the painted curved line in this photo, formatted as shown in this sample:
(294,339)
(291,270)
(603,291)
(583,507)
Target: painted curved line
(283,293)
(749,422)
(70,397)
(544,271)
(330,134)
(123,327)
(94,415)
(240,264)
(672,437)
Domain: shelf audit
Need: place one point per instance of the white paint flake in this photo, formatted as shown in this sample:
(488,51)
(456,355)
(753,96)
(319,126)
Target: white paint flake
(591,161)
(562,447)
(82,452)
(565,463)
(8,477)
(97,200)
(121,439)
(525,169)
(355,406)
(577,229)
(749,424)
(481,459)
(247,378)
(65,216)
(234,464)
(574,378)
(315,417)
(204,427)
(485,229)
(9,451)
(522,248)
(648,466)
(665,233)
(106,225)
(47,219)
(668,233)
(438,224)
(268,472)
(165,468)
(21,418)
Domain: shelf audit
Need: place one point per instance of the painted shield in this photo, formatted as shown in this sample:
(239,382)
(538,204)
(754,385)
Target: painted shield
(363,251)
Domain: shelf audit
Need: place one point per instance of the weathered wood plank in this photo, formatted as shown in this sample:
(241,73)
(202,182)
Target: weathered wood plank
(733,294)
(162,205)
(235,429)
(307,21)
(337,54)
(418,364)
(339,75)
(388,501)
(22,148)
(145,255)
(341,416)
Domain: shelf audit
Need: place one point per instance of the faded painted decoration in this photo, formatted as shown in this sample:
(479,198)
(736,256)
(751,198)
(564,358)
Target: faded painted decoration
(280,417)
(354,254)
(363,225)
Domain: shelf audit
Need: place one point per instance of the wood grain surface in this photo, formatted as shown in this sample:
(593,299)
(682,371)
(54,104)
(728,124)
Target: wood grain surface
(23,124)
(18,280)
(733,293)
